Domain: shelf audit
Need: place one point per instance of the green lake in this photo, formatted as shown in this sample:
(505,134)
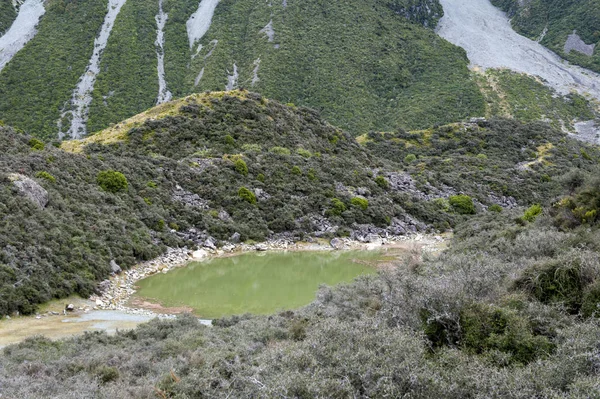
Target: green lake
(258,283)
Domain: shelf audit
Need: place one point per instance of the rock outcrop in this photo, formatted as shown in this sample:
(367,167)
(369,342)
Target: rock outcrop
(30,189)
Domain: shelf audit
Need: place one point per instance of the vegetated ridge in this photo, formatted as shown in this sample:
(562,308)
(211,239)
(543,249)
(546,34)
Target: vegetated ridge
(212,165)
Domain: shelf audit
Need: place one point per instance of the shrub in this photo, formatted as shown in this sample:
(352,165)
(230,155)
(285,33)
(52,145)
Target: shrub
(495,208)
(556,281)
(360,202)
(107,374)
(590,306)
(304,152)
(410,158)
(532,213)
(280,150)
(45,175)
(229,140)
(337,207)
(247,195)
(488,328)
(241,167)
(36,144)
(260,177)
(382,182)
(112,181)
(296,171)
(462,204)
(252,148)
(312,175)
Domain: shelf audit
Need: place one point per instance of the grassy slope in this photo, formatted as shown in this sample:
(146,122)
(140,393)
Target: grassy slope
(40,79)
(7,15)
(561,18)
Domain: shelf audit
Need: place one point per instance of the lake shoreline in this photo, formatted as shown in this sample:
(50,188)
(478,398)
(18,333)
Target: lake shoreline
(119,289)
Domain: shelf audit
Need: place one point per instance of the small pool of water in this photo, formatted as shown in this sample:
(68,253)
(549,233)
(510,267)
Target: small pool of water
(258,283)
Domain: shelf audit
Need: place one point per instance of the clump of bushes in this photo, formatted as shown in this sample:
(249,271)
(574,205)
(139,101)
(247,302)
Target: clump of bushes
(462,204)
(360,202)
(556,281)
(247,195)
(36,144)
(382,182)
(487,328)
(241,167)
(532,213)
(280,150)
(495,208)
(337,207)
(112,181)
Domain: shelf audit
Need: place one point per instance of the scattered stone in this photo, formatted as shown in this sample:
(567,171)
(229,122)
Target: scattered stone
(188,198)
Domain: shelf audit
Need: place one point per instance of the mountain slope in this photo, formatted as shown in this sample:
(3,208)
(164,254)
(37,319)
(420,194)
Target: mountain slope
(569,28)
(367,65)
(211,165)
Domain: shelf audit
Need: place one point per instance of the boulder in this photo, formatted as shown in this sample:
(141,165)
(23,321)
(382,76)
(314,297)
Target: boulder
(235,238)
(336,243)
(261,247)
(211,243)
(372,238)
(70,307)
(30,189)
(114,267)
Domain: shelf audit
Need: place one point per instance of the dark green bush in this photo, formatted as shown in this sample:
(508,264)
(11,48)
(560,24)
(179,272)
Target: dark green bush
(337,207)
(555,281)
(112,181)
(462,204)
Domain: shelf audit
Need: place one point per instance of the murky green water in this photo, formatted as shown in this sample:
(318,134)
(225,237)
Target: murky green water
(258,283)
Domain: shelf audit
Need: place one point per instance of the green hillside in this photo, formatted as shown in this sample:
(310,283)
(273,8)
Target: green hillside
(558,18)
(366,65)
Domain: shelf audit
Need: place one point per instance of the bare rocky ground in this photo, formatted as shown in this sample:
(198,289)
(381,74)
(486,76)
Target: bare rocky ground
(490,42)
